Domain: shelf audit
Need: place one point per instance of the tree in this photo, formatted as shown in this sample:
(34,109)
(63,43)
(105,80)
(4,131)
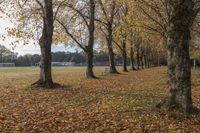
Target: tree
(173,20)
(131,39)
(137,45)
(3,52)
(107,13)
(6,55)
(88,18)
(182,15)
(45,43)
(38,16)
(121,33)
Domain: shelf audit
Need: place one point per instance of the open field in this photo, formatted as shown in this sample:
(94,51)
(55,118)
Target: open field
(118,103)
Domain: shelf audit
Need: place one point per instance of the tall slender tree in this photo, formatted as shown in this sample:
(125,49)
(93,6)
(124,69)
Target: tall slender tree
(45,43)
(109,11)
(84,19)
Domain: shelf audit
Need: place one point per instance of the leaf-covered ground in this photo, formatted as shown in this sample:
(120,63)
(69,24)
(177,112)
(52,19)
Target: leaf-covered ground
(118,103)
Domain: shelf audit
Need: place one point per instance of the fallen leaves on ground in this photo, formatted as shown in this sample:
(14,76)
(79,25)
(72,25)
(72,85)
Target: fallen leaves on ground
(114,103)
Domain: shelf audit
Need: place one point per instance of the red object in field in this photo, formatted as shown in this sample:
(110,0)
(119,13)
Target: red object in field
(105,63)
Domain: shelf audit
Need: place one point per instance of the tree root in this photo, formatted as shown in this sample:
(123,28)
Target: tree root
(166,106)
(114,72)
(46,85)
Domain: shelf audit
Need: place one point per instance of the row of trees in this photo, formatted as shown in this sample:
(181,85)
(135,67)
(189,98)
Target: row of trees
(79,58)
(143,27)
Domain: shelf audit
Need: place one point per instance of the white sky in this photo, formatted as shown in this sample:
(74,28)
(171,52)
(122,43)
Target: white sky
(24,49)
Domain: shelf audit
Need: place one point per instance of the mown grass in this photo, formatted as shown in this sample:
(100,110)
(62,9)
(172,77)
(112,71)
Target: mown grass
(113,103)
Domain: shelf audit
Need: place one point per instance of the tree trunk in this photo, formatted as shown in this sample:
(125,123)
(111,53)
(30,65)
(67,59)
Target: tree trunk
(132,58)
(110,51)
(89,72)
(158,59)
(141,58)
(112,60)
(45,67)
(178,54)
(142,63)
(45,46)
(145,60)
(124,57)
(138,58)
(90,47)
(148,62)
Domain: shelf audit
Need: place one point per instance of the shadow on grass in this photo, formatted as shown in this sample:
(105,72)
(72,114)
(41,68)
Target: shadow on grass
(115,74)
(56,87)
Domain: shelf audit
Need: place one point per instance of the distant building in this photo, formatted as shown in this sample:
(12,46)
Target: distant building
(59,64)
(7,64)
(68,63)
(63,63)
(81,64)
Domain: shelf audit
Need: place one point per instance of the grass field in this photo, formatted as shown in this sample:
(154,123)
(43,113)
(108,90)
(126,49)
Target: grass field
(114,103)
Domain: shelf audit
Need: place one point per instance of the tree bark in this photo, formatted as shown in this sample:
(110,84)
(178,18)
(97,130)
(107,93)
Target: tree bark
(90,47)
(45,43)
(89,71)
(45,67)
(158,59)
(142,57)
(145,60)
(178,40)
(124,53)
(141,60)
(110,51)
(138,58)
(132,58)
(148,62)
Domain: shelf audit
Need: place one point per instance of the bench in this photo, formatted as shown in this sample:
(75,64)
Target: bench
(106,71)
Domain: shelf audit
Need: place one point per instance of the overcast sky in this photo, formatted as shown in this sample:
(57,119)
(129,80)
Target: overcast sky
(24,49)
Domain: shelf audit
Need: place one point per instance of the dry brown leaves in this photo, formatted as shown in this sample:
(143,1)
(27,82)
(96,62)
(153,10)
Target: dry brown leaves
(120,103)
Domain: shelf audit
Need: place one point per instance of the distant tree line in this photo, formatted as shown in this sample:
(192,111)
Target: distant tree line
(79,58)
(6,55)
